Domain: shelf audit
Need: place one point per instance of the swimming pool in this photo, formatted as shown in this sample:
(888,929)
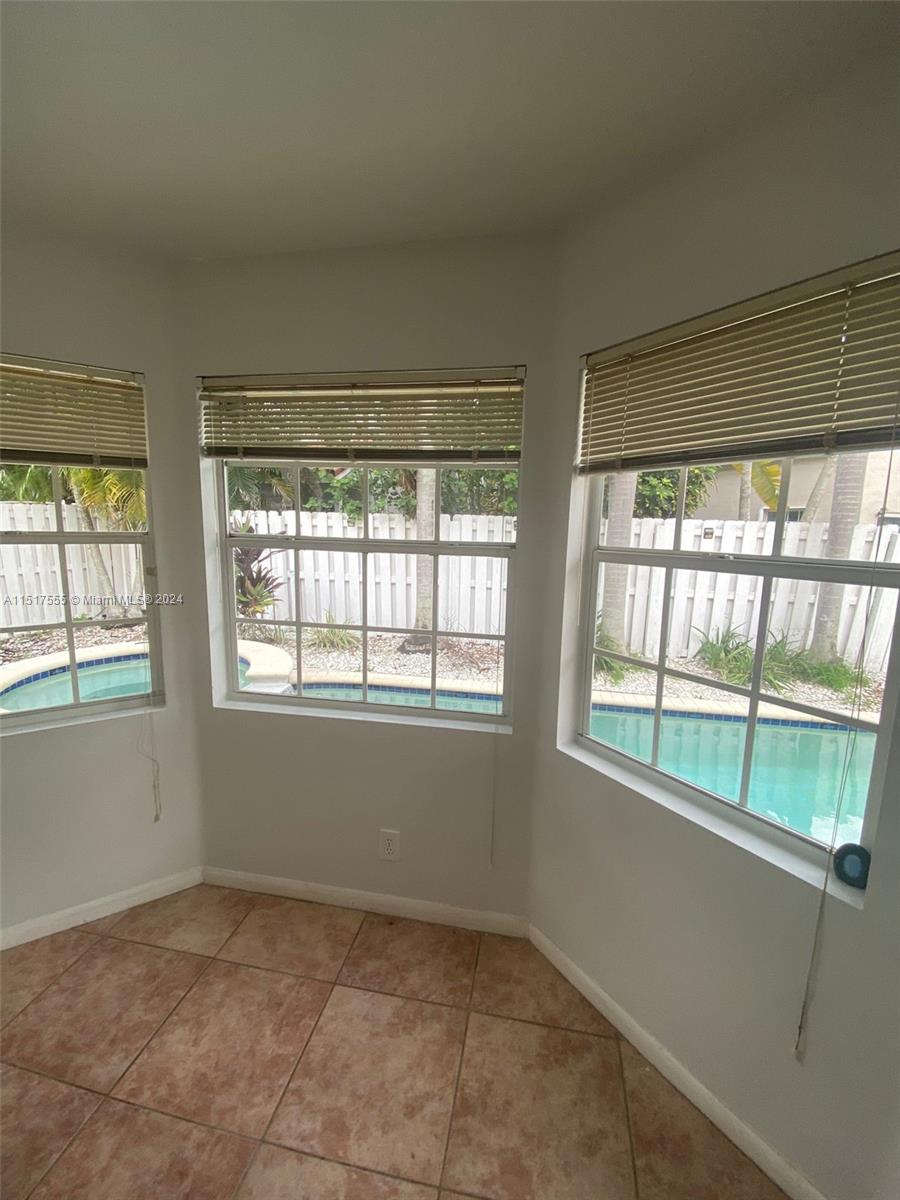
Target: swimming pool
(797,765)
(107,678)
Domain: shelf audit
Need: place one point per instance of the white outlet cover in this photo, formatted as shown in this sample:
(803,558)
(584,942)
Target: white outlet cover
(389,844)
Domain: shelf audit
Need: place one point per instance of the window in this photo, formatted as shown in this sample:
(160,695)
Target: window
(740,590)
(78,629)
(368,565)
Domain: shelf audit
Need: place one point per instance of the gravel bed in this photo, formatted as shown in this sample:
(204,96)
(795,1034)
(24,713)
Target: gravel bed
(458,658)
(643,683)
(16,646)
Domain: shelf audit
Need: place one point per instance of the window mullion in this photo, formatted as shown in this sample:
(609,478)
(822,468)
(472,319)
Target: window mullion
(435,610)
(661,666)
(56,484)
(781,510)
(755,685)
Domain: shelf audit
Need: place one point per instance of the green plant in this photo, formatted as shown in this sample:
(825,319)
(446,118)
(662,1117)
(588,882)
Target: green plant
(728,653)
(603,664)
(656,492)
(335,637)
(731,655)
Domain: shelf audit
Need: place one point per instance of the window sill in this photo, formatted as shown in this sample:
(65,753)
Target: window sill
(804,860)
(44,721)
(477,724)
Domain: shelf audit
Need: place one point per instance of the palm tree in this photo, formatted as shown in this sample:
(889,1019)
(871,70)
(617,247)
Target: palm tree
(849,481)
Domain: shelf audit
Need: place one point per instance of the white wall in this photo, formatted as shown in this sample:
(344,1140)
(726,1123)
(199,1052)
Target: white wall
(77,804)
(703,944)
(304,797)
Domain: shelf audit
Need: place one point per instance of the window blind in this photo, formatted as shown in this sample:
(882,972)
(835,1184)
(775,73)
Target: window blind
(813,367)
(408,416)
(60,413)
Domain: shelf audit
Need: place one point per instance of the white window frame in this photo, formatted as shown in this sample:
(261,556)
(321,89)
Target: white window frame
(78,709)
(767,567)
(436,548)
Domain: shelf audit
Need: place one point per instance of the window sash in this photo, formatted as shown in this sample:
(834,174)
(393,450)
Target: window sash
(61,538)
(365,545)
(768,567)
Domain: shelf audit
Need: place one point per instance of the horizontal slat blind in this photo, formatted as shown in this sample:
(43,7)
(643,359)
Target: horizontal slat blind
(426,417)
(821,373)
(57,413)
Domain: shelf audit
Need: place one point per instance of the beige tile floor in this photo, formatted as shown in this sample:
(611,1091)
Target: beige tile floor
(221,1045)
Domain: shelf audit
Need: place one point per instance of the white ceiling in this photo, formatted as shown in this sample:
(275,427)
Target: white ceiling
(207,129)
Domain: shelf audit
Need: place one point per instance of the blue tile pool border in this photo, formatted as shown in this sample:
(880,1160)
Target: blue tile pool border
(725,718)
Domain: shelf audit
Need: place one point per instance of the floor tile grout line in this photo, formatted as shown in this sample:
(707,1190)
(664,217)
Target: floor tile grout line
(609,1037)
(293,1070)
(355,1166)
(55,978)
(456,1082)
(246,1171)
(162,1022)
(634,1170)
(68,1143)
(471,996)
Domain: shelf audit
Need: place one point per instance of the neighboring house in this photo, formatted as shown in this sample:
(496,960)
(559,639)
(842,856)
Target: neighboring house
(724,496)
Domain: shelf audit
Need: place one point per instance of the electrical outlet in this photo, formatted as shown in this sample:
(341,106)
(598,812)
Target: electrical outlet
(389,844)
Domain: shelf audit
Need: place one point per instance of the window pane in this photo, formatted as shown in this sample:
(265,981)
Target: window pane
(713,623)
(402,502)
(637,508)
(702,734)
(479,505)
(105,579)
(331,664)
(263,583)
(730,508)
(267,659)
(260,499)
(472,594)
(331,501)
(399,669)
(469,675)
(34,670)
(113,660)
(828,644)
(622,704)
(331,587)
(400,591)
(103,499)
(629,609)
(33,592)
(26,498)
(845,506)
(798,766)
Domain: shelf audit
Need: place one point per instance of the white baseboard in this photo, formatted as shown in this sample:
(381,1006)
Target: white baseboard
(66,918)
(788,1178)
(392,906)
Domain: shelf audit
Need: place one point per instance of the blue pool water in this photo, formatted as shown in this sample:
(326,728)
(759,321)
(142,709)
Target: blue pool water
(797,765)
(97,680)
(411,697)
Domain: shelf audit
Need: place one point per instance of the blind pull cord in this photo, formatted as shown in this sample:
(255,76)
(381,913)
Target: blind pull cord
(855,709)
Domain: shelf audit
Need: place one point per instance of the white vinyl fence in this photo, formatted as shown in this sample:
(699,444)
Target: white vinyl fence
(472,592)
(708,602)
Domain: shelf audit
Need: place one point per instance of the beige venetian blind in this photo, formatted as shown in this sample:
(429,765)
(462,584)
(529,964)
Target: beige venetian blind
(425,416)
(813,367)
(60,413)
